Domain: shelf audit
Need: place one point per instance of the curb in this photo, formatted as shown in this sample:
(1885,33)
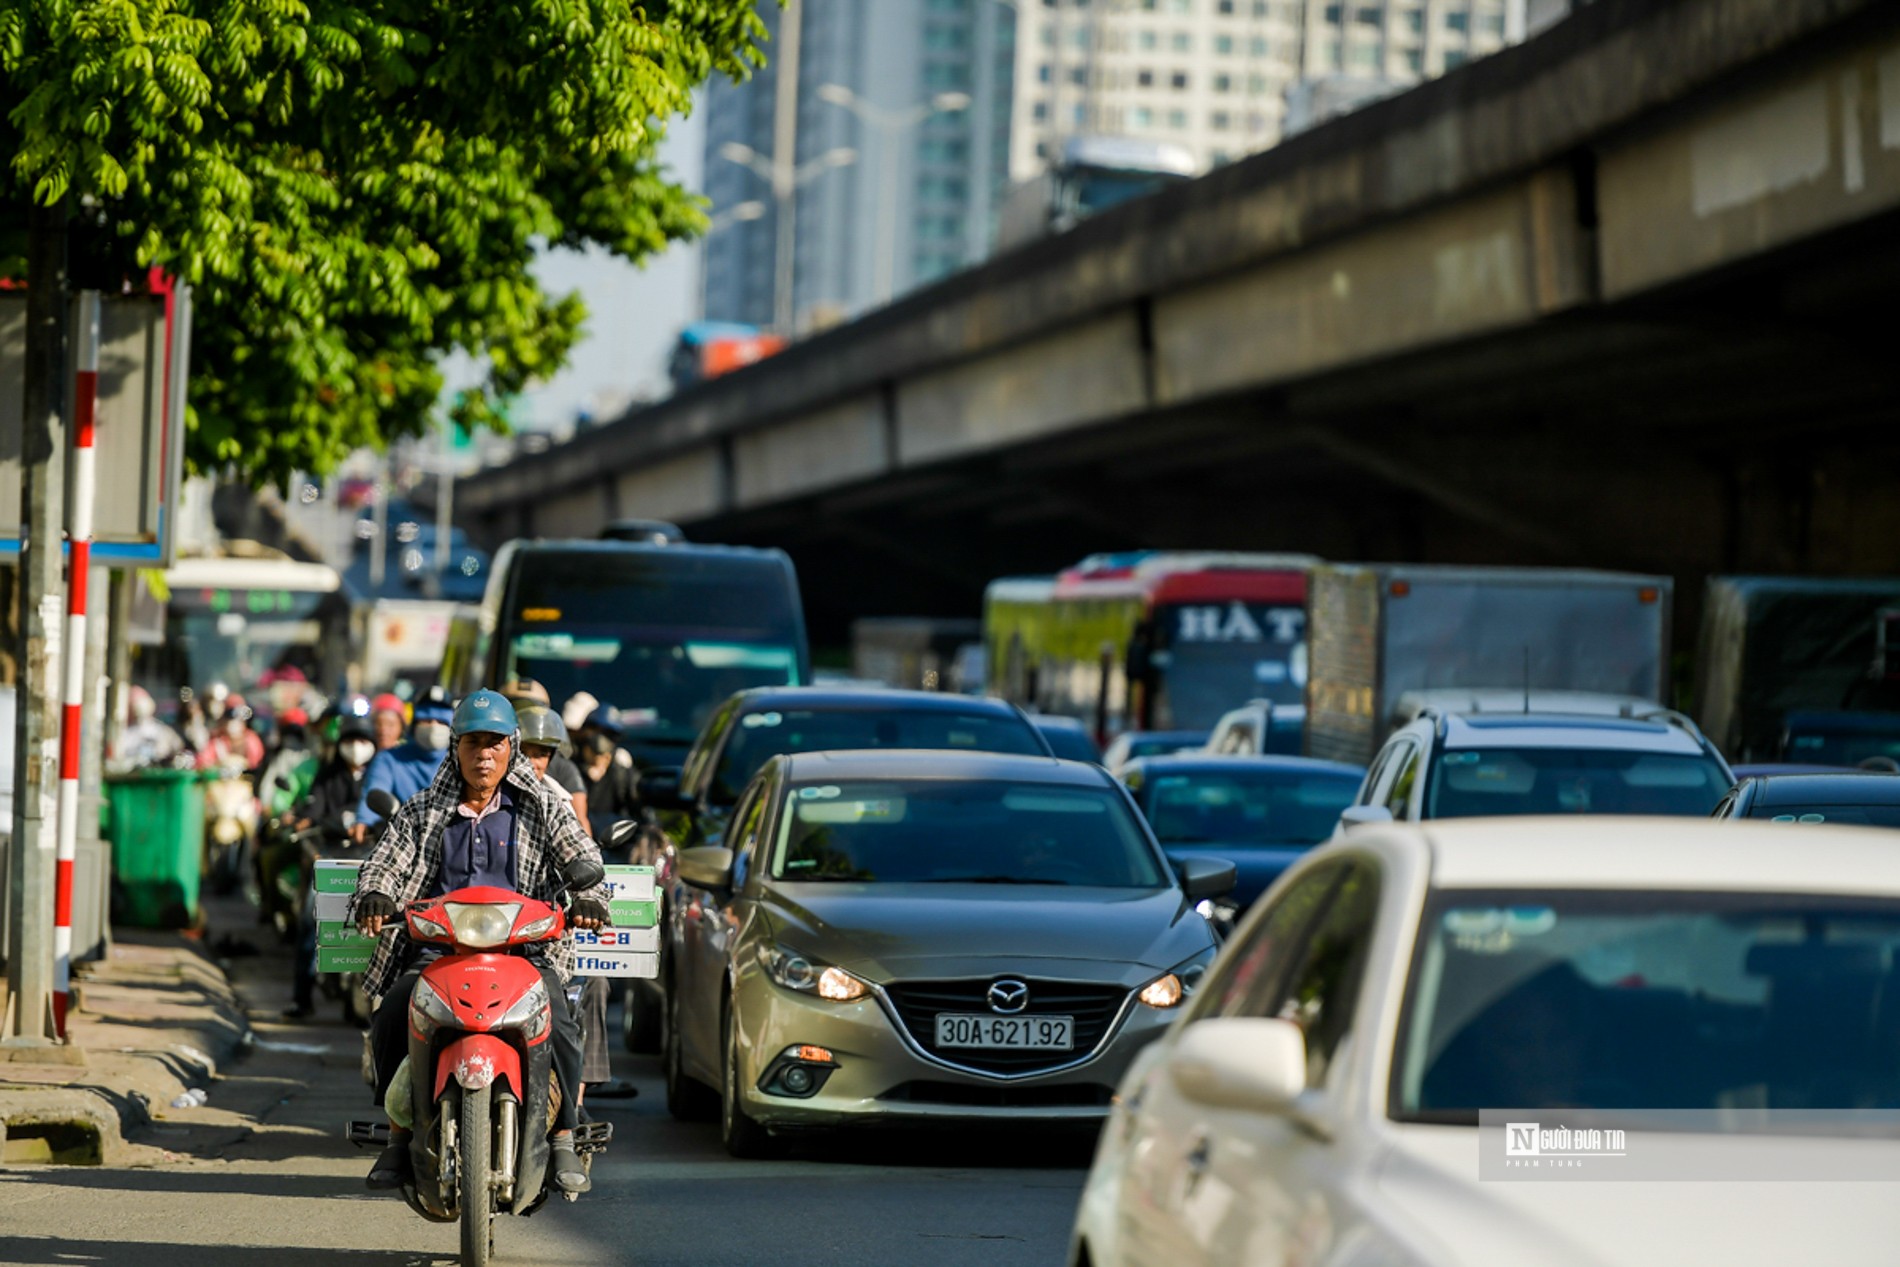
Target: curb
(153,1021)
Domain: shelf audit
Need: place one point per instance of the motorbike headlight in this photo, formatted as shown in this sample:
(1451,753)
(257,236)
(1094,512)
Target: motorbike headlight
(427,1009)
(483,924)
(540,928)
(529,1014)
(1176,986)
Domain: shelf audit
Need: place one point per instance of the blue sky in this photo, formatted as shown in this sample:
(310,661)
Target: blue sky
(634,313)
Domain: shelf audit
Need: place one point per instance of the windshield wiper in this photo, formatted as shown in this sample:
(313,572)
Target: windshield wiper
(987,879)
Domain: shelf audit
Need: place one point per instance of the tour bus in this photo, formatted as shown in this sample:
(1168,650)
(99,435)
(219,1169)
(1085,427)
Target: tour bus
(249,621)
(663,632)
(1151,641)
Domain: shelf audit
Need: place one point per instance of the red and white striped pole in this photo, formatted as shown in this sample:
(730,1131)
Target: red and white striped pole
(78,577)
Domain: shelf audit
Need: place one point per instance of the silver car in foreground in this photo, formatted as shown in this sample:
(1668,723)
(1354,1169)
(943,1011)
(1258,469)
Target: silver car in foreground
(917,937)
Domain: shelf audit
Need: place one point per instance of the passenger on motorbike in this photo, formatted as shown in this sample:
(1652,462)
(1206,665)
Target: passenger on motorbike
(407,768)
(544,741)
(486,819)
(526,694)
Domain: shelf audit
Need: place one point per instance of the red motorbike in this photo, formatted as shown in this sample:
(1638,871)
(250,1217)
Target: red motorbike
(482,1088)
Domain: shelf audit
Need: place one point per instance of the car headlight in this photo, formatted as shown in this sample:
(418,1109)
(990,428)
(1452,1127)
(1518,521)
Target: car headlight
(529,1014)
(839,986)
(483,924)
(427,1009)
(795,972)
(1177,986)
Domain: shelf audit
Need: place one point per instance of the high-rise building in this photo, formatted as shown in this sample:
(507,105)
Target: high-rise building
(902,152)
(1214,75)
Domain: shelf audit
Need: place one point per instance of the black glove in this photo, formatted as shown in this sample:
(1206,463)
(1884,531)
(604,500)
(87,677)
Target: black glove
(372,906)
(589,908)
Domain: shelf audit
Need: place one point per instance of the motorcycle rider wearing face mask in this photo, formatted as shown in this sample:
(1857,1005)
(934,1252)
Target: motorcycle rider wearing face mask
(331,803)
(407,768)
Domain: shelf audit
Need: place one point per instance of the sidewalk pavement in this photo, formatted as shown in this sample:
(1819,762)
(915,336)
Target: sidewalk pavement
(152,1022)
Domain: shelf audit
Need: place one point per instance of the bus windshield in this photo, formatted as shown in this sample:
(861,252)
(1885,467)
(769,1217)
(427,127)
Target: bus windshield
(241,637)
(662,634)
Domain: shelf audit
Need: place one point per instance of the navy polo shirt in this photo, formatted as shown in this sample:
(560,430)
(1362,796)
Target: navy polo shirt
(479,849)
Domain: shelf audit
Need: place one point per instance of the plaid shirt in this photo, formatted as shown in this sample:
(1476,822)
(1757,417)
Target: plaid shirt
(409,858)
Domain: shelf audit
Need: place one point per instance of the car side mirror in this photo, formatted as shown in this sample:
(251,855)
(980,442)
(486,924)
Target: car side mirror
(382,803)
(1206,877)
(621,834)
(1254,1064)
(706,867)
(1363,816)
(659,788)
(583,873)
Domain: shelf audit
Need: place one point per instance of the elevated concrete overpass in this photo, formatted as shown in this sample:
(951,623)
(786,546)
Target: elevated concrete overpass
(1616,296)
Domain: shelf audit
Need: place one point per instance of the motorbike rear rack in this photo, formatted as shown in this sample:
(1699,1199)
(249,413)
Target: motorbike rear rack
(367,1134)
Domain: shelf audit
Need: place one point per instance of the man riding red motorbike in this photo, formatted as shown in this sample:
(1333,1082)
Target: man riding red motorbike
(487,820)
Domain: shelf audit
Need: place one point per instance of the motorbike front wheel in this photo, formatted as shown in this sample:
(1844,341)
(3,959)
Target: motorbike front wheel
(477,1146)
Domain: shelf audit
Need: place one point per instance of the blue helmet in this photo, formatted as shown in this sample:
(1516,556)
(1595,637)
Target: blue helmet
(484,712)
(434,706)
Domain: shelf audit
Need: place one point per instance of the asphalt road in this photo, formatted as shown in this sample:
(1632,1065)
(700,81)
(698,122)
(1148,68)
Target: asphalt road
(264,1167)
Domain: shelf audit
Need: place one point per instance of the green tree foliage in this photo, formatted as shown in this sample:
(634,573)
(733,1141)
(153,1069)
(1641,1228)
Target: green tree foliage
(356,187)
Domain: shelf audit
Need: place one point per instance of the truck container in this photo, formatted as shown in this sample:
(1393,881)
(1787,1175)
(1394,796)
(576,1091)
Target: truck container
(1376,632)
(1774,645)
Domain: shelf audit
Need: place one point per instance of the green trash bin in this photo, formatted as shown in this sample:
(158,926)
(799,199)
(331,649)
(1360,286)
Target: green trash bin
(157,828)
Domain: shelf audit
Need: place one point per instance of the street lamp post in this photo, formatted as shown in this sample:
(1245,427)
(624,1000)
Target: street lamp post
(889,124)
(786,181)
(750,209)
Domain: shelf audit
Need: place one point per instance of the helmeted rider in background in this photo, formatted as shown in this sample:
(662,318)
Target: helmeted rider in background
(407,768)
(486,819)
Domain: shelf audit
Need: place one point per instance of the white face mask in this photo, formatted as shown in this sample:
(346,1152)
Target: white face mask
(433,735)
(358,751)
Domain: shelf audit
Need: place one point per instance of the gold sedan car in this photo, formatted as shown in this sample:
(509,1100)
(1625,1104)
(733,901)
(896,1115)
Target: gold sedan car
(906,938)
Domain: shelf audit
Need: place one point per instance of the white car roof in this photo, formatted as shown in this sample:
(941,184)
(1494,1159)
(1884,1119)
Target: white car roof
(1613,852)
(1563,730)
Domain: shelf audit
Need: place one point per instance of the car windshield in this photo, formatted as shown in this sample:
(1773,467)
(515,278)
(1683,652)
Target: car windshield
(972,831)
(1165,745)
(1257,807)
(1576,999)
(1846,815)
(1484,782)
(1847,747)
(757,737)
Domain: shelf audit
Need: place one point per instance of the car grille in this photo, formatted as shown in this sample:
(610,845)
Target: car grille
(1094,1008)
(1079,1095)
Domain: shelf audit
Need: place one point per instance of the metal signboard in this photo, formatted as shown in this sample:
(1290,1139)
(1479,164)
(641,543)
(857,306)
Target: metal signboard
(144,354)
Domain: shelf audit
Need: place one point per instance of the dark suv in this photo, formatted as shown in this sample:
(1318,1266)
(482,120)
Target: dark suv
(694,801)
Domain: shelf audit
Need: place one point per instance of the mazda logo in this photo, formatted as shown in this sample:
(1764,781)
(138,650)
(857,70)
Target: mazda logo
(1008,997)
